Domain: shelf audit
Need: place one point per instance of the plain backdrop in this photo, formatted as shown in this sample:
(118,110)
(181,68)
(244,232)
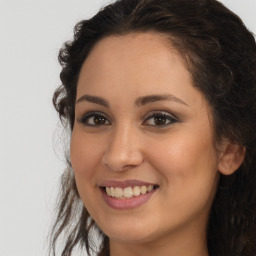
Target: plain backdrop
(31,155)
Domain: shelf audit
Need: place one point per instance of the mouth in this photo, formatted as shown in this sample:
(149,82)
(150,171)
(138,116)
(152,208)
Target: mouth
(126,195)
(128,192)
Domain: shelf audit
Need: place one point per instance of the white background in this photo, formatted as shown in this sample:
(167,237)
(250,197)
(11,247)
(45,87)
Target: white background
(31,32)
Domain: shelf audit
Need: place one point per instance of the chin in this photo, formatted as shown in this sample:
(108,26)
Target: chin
(129,232)
(130,237)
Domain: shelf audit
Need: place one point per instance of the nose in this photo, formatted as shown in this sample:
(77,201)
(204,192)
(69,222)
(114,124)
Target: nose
(123,150)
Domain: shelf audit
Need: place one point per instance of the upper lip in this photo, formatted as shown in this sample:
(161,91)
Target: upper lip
(124,183)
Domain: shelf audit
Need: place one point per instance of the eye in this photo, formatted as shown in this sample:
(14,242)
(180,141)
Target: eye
(160,119)
(94,119)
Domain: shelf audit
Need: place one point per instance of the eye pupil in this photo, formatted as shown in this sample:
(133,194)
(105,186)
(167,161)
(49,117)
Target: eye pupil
(99,120)
(160,120)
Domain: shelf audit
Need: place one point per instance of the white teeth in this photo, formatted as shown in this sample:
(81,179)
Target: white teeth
(150,188)
(119,192)
(143,190)
(108,191)
(128,192)
(112,191)
(136,191)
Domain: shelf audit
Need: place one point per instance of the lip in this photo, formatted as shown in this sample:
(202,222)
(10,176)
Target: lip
(124,184)
(128,203)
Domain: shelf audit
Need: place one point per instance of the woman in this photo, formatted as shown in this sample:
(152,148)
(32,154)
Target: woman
(160,98)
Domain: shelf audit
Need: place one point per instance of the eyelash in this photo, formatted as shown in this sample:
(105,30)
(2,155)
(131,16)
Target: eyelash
(84,120)
(161,115)
(164,116)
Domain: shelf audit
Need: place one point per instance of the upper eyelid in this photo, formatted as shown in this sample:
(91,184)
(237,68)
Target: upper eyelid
(91,114)
(144,117)
(159,112)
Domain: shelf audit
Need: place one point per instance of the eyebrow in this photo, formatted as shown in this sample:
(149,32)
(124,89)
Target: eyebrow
(141,101)
(93,99)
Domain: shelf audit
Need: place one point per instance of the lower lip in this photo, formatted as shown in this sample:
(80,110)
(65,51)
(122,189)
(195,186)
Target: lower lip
(129,203)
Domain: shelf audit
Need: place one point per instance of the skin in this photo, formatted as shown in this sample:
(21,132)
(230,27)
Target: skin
(180,157)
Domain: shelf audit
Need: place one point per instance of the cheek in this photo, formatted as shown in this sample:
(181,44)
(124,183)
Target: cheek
(85,154)
(188,163)
(85,157)
(181,155)
(190,177)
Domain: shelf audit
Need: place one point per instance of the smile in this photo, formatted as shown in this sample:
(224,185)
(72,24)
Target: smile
(128,192)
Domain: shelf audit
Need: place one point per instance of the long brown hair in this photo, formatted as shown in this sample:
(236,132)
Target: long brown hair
(220,53)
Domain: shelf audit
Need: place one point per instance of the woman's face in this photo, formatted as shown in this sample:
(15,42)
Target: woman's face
(142,147)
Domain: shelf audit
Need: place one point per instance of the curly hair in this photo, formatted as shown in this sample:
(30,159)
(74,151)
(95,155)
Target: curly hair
(220,54)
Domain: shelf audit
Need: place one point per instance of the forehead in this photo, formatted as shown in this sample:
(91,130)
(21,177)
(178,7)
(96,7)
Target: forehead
(133,65)
(139,42)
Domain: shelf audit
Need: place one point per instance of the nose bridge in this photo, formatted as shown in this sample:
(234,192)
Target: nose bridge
(123,149)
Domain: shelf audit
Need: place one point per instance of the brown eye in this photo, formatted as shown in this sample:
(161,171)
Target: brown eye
(94,119)
(160,119)
(99,120)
